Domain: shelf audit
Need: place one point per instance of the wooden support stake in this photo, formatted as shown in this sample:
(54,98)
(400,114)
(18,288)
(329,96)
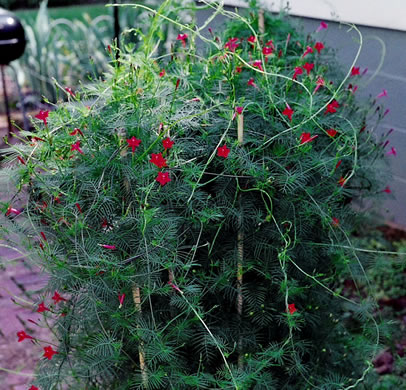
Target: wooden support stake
(240,249)
(261,21)
(141,351)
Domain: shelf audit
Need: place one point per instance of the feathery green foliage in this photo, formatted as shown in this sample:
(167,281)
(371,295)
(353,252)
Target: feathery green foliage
(232,270)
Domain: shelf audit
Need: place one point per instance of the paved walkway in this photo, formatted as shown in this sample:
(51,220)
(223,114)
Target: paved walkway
(18,280)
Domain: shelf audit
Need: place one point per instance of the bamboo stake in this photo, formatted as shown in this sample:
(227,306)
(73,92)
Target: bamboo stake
(261,21)
(141,352)
(136,293)
(240,249)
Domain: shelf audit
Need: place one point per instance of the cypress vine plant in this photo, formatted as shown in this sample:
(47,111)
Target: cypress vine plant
(194,214)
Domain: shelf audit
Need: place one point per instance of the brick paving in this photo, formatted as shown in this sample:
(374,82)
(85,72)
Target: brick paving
(20,282)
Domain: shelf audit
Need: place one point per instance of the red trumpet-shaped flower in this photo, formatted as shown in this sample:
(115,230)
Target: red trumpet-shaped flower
(298,70)
(306,137)
(335,221)
(105,246)
(162,73)
(182,38)
(23,336)
(232,44)
(308,50)
(291,307)
(133,143)
(79,208)
(258,64)
(167,143)
(332,107)
(387,190)
(384,93)
(43,115)
(21,160)
(76,146)
(319,83)
(163,178)
(319,46)
(239,110)
(308,67)
(33,388)
(158,160)
(12,210)
(58,298)
(49,352)
(392,151)
(251,83)
(121,298)
(323,26)
(251,39)
(266,51)
(288,112)
(76,131)
(331,132)
(69,91)
(223,151)
(341,181)
(42,308)
(355,71)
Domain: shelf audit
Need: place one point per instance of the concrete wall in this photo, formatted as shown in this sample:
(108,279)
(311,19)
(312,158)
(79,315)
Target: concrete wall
(392,77)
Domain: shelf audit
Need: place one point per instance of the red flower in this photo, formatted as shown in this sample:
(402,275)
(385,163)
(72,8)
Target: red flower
(223,151)
(251,83)
(298,70)
(323,26)
(112,247)
(42,308)
(121,300)
(43,236)
(292,308)
(306,137)
(69,91)
(158,160)
(78,207)
(319,46)
(58,298)
(239,110)
(335,221)
(175,287)
(355,71)
(177,84)
(76,131)
(162,73)
(308,67)
(33,388)
(331,132)
(238,69)
(288,112)
(341,181)
(266,51)
(182,37)
(392,151)
(76,146)
(270,44)
(21,160)
(232,44)
(319,83)
(133,143)
(387,190)
(251,39)
(22,336)
(12,210)
(308,50)
(49,352)
(42,115)
(332,107)
(163,178)
(384,93)
(167,143)
(258,64)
